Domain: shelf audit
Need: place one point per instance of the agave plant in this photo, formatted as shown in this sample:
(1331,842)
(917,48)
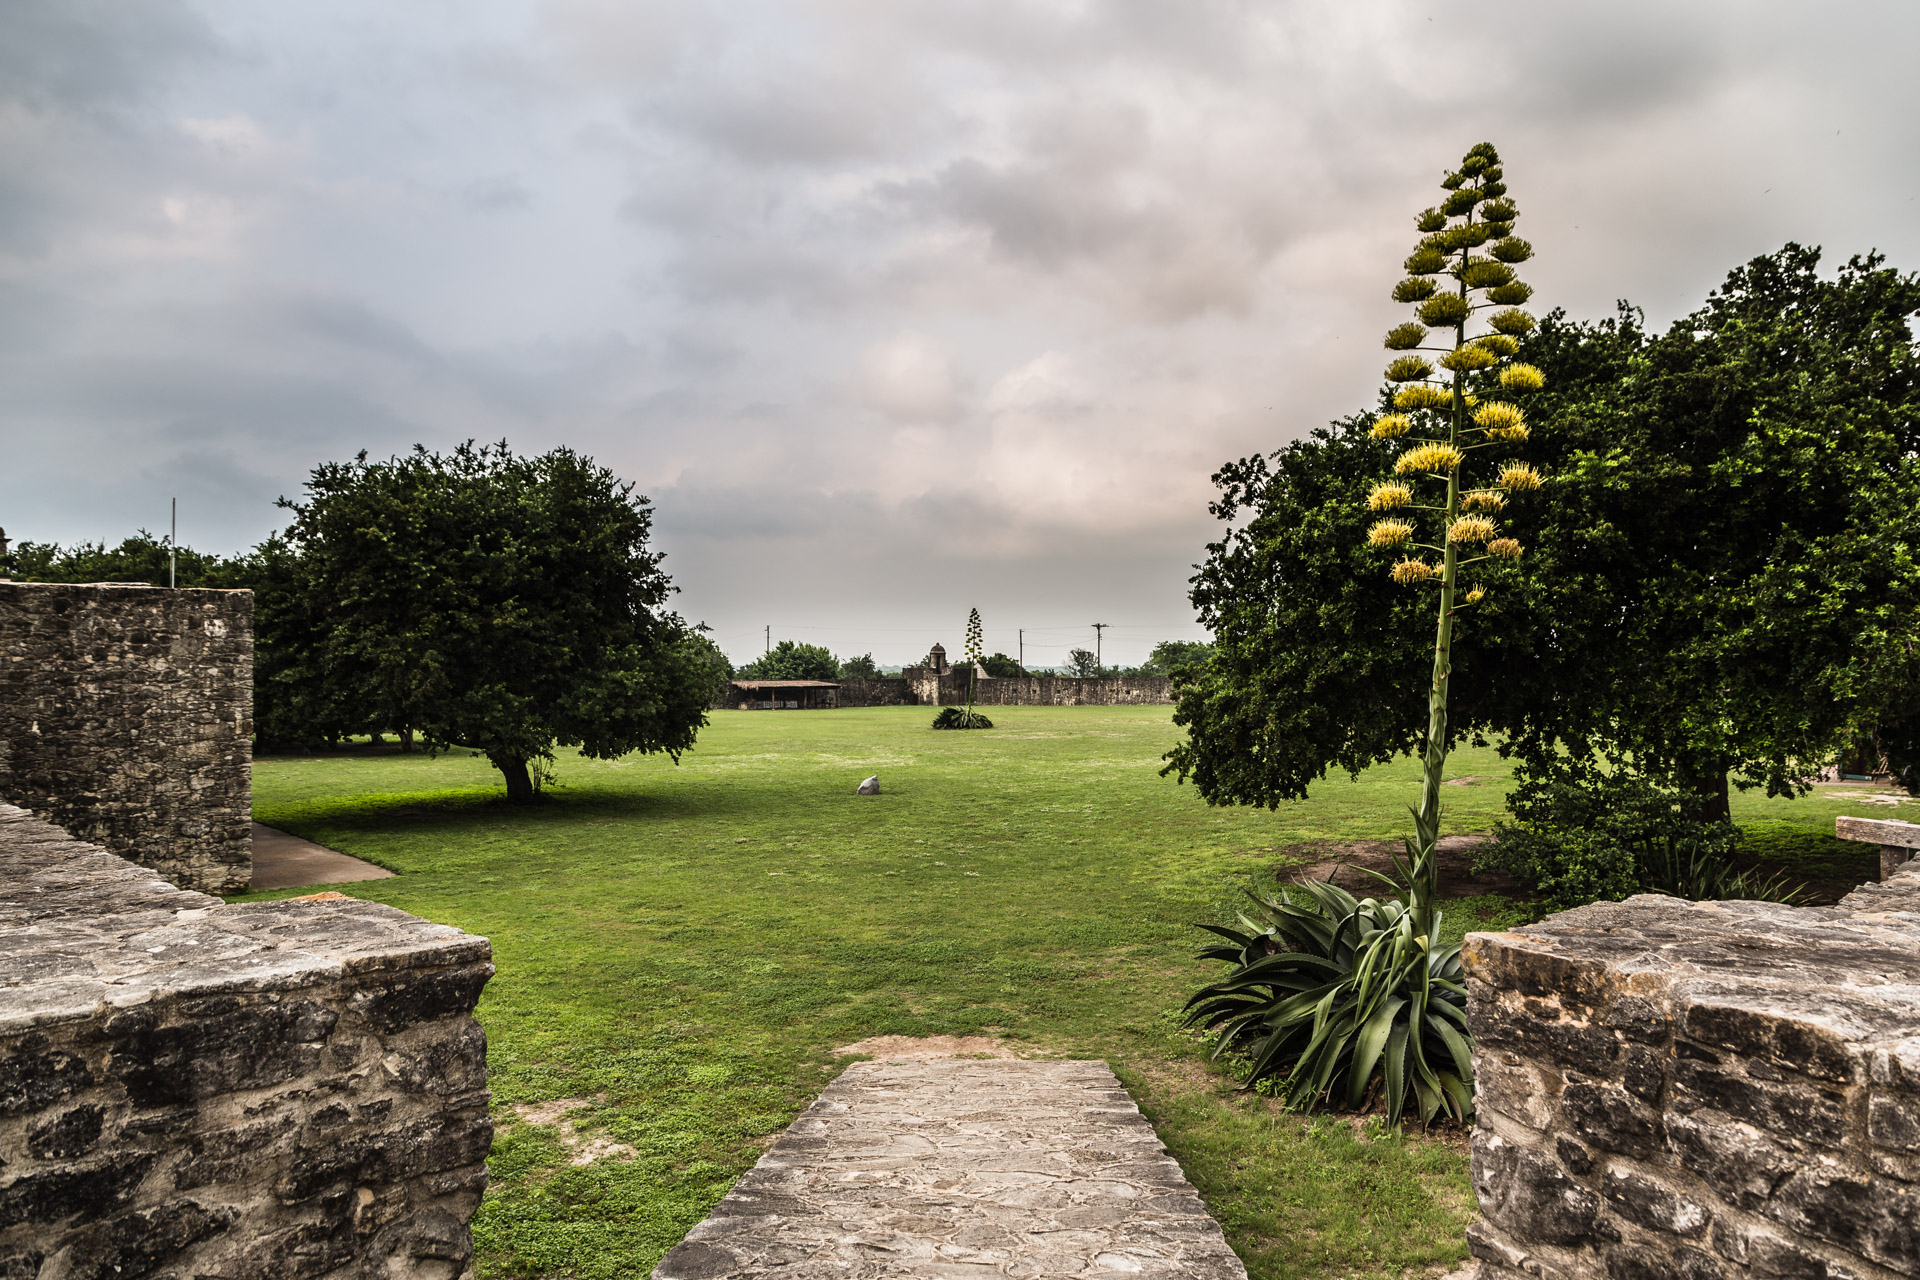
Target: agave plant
(1331,996)
(1336,994)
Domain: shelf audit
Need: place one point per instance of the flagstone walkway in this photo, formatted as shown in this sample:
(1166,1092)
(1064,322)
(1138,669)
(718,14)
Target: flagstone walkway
(962,1168)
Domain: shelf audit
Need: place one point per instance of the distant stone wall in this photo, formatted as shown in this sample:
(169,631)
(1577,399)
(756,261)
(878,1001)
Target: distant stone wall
(256,1091)
(1707,1091)
(880,692)
(919,687)
(126,716)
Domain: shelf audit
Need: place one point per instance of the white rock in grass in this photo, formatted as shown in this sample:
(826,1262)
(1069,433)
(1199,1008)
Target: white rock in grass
(871,787)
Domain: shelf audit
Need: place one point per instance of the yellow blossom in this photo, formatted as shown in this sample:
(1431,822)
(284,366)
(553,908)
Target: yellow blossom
(1522,377)
(1496,416)
(1519,476)
(1412,571)
(1482,500)
(1422,395)
(1437,459)
(1389,496)
(1505,548)
(1471,529)
(1389,533)
(1391,426)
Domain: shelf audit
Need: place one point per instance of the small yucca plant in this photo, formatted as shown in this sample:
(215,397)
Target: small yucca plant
(1336,996)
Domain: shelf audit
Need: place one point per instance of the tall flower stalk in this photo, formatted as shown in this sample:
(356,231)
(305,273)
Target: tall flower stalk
(1453,288)
(1338,1000)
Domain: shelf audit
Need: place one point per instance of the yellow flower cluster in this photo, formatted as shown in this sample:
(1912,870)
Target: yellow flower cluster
(1389,533)
(1483,500)
(1505,548)
(1422,395)
(1391,427)
(1496,416)
(1412,571)
(1471,529)
(1437,459)
(1476,594)
(1519,477)
(1522,377)
(1389,496)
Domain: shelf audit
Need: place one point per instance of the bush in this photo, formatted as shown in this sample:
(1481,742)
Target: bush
(960,718)
(1338,1000)
(1583,836)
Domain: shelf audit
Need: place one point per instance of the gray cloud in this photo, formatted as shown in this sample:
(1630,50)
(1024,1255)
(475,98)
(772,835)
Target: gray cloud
(957,300)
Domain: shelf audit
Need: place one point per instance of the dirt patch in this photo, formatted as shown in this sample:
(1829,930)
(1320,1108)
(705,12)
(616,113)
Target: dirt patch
(1347,863)
(928,1048)
(584,1148)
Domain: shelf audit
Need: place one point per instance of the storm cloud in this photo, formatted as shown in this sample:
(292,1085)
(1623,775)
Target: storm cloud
(893,309)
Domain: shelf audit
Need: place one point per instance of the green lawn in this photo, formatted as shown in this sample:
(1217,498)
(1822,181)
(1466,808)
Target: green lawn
(686,946)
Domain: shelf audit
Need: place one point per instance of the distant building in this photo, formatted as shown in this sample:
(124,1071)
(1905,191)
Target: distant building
(783,695)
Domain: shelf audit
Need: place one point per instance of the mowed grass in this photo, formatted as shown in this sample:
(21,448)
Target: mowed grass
(686,946)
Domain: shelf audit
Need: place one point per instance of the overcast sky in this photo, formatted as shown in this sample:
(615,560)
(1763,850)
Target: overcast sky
(892,308)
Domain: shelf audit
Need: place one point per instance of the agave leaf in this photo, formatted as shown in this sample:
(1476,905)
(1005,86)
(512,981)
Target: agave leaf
(1367,1047)
(1395,1070)
(1457,1047)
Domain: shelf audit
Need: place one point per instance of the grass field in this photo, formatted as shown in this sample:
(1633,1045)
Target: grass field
(685,947)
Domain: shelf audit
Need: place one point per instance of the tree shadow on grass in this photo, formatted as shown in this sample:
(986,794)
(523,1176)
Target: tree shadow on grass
(457,808)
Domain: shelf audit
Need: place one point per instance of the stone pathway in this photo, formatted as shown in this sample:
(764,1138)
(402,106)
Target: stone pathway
(285,861)
(962,1168)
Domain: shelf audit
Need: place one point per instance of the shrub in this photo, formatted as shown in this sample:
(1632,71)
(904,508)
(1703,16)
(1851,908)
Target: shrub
(960,718)
(1581,835)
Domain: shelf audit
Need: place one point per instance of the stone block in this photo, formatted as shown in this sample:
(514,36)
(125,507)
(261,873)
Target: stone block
(1753,1112)
(126,718)
(229,1092)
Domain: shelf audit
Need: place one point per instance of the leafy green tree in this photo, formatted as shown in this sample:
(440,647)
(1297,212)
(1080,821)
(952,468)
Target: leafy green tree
(1176,658)
(508,604)
(141,558)
(1000,667)
(860,668)
(792,660)
(1723,586)
(1082,664)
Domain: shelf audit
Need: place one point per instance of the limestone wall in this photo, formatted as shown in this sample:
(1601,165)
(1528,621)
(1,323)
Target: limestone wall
(126,716)
(254,1091)
(921,687)
(1703,1091)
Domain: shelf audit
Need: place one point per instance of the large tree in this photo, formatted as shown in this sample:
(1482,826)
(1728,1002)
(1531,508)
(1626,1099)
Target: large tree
(1725,584)
(482,599)
(793,660)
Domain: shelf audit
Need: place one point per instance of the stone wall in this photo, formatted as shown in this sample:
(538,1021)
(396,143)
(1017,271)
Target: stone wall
(1701,1090)
(881,692)
(255,1091)
(126,716)
(921,687)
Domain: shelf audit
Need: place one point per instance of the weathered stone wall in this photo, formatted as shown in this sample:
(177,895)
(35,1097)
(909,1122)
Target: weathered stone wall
(881,692)
(921,687)
(126,716)
(254,1091)
(1701,1090)
(1058,691)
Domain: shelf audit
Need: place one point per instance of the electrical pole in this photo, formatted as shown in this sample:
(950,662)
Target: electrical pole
(769,637)
(173,547)
(1099,630)
(1023,651)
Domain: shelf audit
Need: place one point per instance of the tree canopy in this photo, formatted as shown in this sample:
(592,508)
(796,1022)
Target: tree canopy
(1724,585)
(792,660)
(482,599)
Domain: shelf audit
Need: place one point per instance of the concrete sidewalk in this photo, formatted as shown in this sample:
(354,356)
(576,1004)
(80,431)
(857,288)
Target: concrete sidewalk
(962,1170)
(283,861)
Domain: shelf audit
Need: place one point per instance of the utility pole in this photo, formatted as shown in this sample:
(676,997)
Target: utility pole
(1099,630)
(1023,651)
(173,548)
(769,648)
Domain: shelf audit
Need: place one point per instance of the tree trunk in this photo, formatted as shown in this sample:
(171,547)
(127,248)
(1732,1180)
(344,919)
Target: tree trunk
(1707,783)
(519,781)
(406,740)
